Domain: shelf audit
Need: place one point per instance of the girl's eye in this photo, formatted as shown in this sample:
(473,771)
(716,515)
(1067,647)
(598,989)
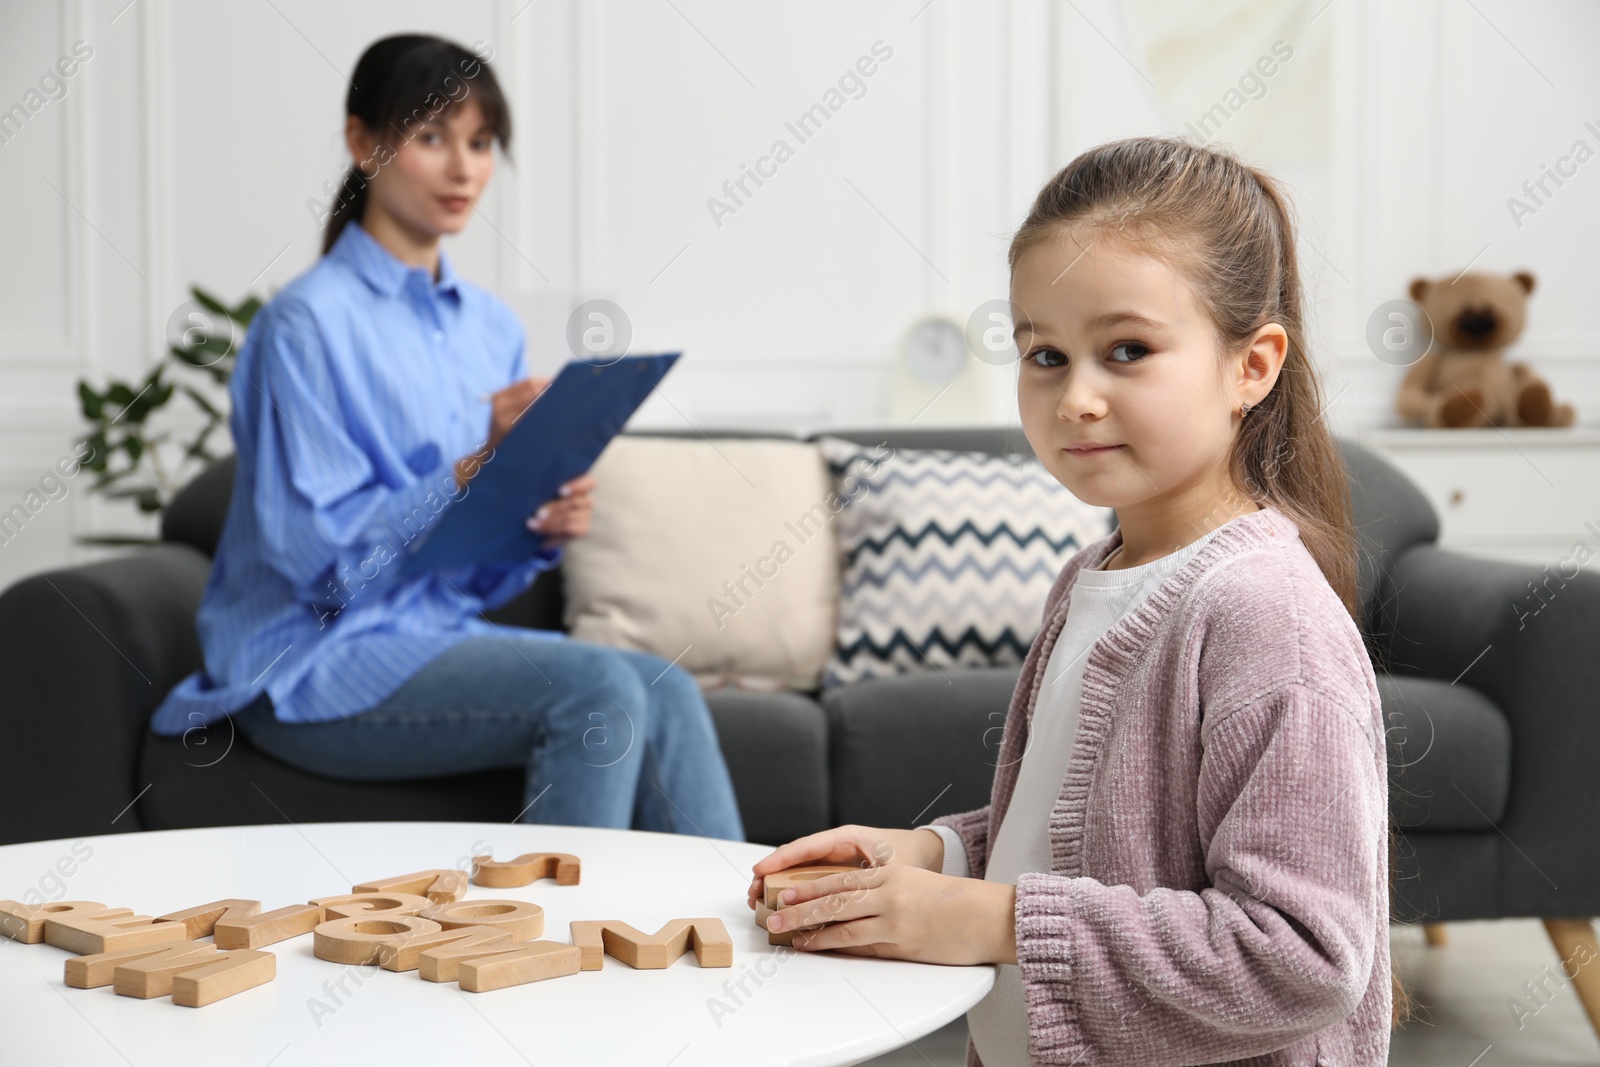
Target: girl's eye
(1132,344)
(1047,357)
(483,145)
(428,137)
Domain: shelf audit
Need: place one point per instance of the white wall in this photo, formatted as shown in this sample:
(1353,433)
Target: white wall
(186,147)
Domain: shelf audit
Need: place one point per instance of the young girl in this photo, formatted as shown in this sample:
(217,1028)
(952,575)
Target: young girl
(359,402)
(1185,858)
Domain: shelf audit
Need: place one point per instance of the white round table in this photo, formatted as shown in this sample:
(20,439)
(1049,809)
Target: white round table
(795,1007)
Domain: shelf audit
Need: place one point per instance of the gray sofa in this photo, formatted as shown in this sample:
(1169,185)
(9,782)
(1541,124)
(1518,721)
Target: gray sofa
(1492,725)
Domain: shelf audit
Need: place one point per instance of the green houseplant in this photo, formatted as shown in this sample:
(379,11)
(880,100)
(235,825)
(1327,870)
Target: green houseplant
(126,457)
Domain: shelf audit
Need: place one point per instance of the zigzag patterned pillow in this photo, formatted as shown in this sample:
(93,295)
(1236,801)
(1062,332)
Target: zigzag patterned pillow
(948,556)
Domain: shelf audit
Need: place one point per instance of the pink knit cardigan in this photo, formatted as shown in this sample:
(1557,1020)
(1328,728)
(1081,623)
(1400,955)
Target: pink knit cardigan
(1218,886)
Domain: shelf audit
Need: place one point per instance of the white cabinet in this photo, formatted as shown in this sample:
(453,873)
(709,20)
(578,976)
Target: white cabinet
(1523,494)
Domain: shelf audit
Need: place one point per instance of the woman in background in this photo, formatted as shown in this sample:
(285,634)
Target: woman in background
(358,400)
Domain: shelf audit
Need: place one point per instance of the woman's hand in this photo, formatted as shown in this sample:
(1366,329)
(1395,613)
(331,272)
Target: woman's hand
(507,405)
(868,845)
(568,515)
(505,408)
(904,913)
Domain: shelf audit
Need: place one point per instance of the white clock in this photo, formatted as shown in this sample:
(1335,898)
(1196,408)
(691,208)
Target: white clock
(935,349)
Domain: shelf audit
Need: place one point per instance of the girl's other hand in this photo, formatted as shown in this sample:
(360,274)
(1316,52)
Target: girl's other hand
(867,846)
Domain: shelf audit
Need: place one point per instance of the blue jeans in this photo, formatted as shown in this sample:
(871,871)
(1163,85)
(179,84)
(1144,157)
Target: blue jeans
(608,736)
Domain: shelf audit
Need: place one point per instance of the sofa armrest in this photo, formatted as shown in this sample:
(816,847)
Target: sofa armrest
(87,653)
(1527,637)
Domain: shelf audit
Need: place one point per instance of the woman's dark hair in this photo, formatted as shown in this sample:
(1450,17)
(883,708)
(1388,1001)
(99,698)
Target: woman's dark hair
(399,83)
(1227,227)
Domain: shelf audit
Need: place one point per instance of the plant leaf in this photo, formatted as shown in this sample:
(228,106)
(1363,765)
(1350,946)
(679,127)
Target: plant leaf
(92,403)
(204,404)
(210,302)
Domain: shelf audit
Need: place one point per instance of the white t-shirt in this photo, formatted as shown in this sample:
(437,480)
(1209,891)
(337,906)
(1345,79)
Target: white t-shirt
(999,1022)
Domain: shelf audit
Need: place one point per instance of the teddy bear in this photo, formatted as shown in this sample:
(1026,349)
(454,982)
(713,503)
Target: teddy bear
(1464,379)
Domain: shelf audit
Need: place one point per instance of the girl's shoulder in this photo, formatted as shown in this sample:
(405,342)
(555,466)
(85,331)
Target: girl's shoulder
(1266,617)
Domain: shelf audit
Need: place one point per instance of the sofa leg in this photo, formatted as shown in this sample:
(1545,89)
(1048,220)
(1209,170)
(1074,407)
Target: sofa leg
(1434,932)
(1575,944)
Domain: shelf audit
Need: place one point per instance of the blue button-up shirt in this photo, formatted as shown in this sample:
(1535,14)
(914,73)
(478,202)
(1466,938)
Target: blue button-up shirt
(356,390)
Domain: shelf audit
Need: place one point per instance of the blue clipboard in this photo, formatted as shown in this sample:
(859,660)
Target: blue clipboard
(558,438)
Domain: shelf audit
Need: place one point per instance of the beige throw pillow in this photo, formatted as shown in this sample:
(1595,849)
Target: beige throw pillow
(717,554)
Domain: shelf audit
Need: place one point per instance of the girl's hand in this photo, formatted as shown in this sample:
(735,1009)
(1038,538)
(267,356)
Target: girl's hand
(568,515)
(866,845)
(904,913)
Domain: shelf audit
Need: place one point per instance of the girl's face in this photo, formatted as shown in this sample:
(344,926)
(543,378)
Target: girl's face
(1120,388)
(435,171)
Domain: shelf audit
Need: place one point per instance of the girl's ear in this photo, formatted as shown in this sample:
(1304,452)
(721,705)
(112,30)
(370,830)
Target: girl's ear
(1258,365)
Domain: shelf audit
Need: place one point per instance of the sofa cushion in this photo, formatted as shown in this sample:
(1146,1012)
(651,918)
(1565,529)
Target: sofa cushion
(719,556)
(776,748)
(948,556)
(1449,755)
(907,749)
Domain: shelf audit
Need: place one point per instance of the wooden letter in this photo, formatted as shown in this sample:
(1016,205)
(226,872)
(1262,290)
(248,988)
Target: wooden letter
(372,905)
(561,866)
(109,930)
(600,937)
(438,885)
(776,882)
(238,923)
(781,937)
(151,976)
(442,963)
(96,970)
(202,974)
(533,963)
(404,952)
(233,973)
(360,939)
(523,921)
(25,922)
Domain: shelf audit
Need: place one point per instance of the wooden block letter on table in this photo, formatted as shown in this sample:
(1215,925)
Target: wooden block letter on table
(371,905)
(97,969)
(361,939)
(533,962)
(600,937)
(108,930)
(234,973)
(562,866)
(438,885)
(25,922)
(442,962)
(781,937)
(239,923)
(214,974)
(522,920)
(776,882)
(195,974)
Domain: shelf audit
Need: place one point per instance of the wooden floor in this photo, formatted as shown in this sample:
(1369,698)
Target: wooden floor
(1462,990)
